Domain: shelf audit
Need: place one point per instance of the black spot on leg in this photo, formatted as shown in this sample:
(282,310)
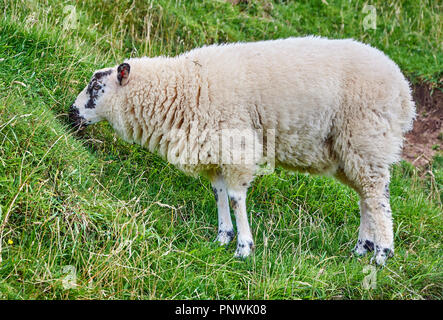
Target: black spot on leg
(387,193)
(369,245)
(388,252)
(386,209)
(215,194)
(230,233)
(248,244)
(234,203)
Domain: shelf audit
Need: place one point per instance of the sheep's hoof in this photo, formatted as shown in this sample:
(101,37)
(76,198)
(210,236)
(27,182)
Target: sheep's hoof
(224,237)
(362,247)
(381,255)
(244,249)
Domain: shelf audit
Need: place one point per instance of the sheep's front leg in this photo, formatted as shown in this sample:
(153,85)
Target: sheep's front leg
(225,228)
(245,243)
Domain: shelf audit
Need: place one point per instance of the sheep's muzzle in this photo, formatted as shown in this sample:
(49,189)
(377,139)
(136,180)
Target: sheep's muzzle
(78,122)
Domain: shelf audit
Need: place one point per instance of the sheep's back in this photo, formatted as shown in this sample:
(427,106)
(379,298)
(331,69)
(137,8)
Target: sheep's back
(302,88)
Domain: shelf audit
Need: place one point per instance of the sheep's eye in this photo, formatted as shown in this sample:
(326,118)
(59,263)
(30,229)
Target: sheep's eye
(96,86)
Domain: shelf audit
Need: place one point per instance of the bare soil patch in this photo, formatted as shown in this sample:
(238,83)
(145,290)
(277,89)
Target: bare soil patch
(426,137)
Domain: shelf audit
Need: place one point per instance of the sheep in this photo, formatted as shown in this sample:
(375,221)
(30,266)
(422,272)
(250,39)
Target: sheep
(310,104)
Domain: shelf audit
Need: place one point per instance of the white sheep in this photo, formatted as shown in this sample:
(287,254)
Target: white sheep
(335,107)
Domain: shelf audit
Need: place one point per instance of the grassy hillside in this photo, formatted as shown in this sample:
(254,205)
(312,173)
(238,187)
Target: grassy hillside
(93,217)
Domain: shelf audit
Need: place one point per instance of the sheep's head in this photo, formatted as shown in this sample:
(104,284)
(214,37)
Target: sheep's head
(94,101)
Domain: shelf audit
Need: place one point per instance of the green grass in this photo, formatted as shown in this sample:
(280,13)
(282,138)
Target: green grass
(135,227)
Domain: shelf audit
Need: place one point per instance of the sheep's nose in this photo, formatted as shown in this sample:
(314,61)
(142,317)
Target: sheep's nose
(74,117)
(73,114)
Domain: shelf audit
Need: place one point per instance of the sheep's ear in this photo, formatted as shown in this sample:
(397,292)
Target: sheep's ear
(123,73)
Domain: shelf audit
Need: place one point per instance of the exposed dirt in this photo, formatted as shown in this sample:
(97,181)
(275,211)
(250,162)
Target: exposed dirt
(426,137)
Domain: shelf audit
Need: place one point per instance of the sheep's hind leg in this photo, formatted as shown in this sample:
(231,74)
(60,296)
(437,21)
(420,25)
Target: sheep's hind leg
(225,227)
(365,240)
(245,243)
(376,210)
(376,228)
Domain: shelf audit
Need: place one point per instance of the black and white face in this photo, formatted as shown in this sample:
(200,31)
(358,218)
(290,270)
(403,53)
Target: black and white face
(90,105)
